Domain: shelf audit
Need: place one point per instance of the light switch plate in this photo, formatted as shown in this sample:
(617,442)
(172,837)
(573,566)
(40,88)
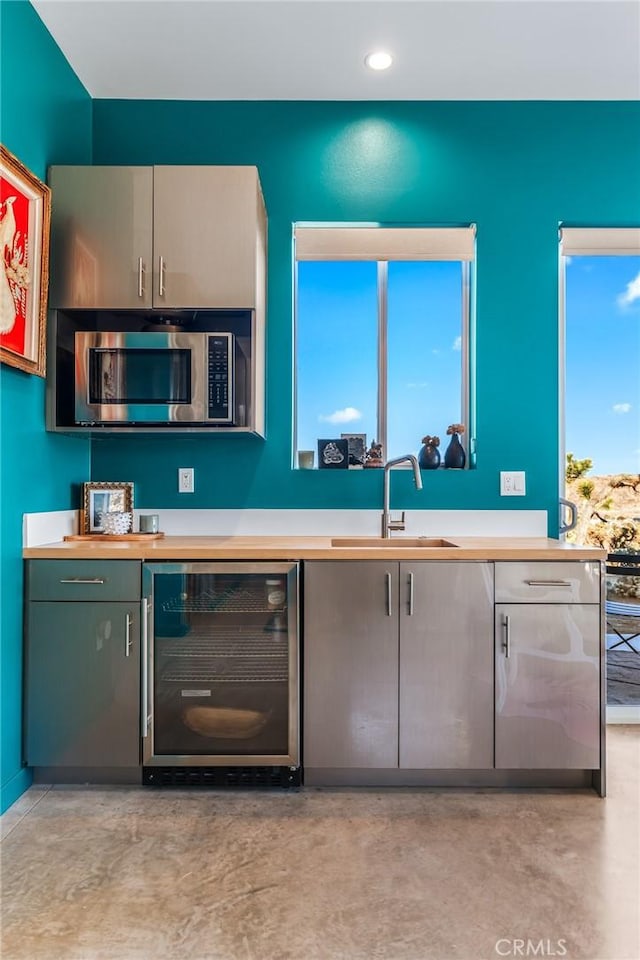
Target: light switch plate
(512,484)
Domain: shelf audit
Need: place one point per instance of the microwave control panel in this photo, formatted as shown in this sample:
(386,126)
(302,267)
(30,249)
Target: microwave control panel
(220,378)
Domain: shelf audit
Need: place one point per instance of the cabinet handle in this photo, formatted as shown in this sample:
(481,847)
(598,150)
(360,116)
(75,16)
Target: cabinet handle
(161,276)
(127,634)
(410,594)
(82,580)
(140,277)
(388,577)
(144,705)
(506,623)
(548,583)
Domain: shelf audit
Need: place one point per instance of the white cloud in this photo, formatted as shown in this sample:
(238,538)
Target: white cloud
(631,294)
(568,261)
(621,407)
(348,415)
(435,350)
(418,386)
(457,344)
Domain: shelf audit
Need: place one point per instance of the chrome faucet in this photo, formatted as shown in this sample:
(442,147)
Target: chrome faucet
(387,523)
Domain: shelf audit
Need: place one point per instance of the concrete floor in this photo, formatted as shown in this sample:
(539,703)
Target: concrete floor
(135,874)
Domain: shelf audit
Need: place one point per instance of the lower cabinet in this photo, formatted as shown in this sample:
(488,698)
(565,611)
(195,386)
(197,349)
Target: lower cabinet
(547,686)
(398,665)
(82,664)
(350,664)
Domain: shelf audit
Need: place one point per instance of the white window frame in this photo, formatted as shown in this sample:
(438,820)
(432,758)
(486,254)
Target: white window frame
(582,242)
(360,242)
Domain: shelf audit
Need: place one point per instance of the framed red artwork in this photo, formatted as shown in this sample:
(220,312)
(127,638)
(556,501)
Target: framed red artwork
(25,213)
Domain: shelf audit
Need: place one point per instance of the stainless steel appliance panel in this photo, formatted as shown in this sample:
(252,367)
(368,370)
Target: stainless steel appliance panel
(154,378)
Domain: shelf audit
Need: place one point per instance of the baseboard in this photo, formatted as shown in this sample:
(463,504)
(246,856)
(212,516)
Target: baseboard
(14,788)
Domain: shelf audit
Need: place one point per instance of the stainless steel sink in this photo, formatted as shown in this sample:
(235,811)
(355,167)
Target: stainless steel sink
(393,542)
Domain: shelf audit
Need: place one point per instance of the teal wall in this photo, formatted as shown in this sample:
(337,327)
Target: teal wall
(45,117)
(515,169)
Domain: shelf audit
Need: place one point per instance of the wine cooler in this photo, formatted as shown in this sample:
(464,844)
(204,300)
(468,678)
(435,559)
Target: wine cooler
(220,674)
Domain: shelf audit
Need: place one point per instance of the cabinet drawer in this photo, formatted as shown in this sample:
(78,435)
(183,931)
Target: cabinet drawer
(83,579)
(554,582)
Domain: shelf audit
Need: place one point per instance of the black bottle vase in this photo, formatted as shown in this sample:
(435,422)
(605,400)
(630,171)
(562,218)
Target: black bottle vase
(455,457)
(429,457)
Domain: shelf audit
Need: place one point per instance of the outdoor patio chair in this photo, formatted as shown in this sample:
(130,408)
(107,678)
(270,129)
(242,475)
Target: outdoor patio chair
(623,617)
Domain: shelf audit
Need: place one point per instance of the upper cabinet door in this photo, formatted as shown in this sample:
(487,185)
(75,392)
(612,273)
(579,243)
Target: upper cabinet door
(101,228)
(209,235)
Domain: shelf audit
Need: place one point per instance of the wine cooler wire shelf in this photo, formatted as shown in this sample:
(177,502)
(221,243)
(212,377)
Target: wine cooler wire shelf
(233,600)
(228,671)
(244,646)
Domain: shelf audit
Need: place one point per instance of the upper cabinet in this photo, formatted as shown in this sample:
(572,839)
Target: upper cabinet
(173,237)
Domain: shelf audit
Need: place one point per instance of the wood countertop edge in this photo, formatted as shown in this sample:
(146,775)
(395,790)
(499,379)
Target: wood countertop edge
(312,548)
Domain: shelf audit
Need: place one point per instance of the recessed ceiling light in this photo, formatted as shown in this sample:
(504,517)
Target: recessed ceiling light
(379,60)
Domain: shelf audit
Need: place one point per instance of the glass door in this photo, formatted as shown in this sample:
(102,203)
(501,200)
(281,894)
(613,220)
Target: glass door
(223,664)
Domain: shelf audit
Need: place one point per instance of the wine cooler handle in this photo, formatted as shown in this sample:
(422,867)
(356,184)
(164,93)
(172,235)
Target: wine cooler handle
(144,705)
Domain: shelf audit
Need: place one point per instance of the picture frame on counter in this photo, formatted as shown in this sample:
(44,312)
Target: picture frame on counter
(357,447)
(25,215)
(105,497)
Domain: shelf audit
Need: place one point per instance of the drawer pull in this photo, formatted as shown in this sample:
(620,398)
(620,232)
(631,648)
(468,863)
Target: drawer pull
(410,594)
(388,576)
(82,580)
(548,583)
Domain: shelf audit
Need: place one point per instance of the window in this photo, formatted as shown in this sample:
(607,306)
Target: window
(382,334)
(600,385)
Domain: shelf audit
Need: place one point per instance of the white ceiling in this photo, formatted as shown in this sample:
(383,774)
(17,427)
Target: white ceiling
(314,49)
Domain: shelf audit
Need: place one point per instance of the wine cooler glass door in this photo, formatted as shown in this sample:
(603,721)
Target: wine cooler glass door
(223,664)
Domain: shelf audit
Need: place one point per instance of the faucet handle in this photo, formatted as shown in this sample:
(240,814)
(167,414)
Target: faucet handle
(397,524)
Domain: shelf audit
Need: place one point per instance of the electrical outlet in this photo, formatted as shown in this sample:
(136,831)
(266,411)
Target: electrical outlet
(185,480)
(512,484)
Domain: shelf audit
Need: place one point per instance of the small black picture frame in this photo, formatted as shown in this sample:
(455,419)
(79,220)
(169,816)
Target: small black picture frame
(333,454)
(357,449)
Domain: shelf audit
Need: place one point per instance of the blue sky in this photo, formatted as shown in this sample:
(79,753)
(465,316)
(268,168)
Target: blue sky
(603,362)
(337,351)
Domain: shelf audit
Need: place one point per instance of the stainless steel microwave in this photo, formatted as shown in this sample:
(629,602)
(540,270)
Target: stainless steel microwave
(160,379)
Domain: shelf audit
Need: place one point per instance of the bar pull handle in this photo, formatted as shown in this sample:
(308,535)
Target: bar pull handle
(506,644)
(127,634)
(141,272)
(144,705)
(410,594)
(161,276)
(388,577)
(548,583)
(82,580)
